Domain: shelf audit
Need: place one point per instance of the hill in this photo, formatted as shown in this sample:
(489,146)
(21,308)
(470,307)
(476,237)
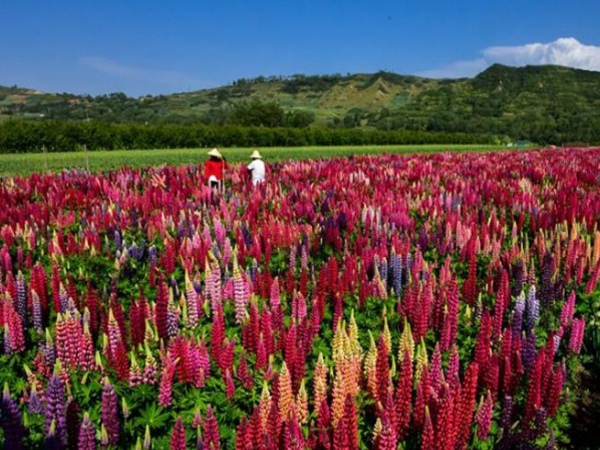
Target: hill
(541,103)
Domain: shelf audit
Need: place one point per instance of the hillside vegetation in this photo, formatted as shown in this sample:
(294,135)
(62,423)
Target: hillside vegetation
(539,103)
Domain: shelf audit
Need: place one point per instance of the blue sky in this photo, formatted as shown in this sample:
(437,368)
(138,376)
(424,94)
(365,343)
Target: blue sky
(152,47)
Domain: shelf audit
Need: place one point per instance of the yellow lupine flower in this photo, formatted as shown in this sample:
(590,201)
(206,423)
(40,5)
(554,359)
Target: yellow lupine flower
(339,398)
(264,405)
(319,383)
(286,397)
(407,342)
(387,336)
(302,404)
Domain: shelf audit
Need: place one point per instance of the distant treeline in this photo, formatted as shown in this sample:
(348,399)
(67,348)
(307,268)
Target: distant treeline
(23,136)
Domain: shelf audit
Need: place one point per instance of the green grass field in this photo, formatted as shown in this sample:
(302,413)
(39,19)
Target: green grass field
(21,164)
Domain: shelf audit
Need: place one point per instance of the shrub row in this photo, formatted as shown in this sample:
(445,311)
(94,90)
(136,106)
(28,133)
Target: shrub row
(22,136)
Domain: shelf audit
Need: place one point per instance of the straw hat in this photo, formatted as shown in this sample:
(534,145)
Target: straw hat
(255,155)
(214,152)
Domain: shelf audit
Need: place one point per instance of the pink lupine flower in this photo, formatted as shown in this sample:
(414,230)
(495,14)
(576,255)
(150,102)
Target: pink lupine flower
(566,315)
(165,394)
(576,339)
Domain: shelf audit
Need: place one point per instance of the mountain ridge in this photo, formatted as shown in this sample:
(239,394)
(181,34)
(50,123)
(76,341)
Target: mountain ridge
(534,102)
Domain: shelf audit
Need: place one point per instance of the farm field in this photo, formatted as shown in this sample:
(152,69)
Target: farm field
(106,160)
(433,301)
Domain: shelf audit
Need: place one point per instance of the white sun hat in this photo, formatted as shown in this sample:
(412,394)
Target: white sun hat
(214,152)
(255,155)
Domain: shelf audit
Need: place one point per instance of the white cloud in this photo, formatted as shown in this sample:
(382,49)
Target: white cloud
(563,52)
(166,77)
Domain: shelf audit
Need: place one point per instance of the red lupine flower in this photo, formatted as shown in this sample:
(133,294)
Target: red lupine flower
(403,398)
(482,346)
(211,430)
(466,404)
(387,438)
(445,426)
(383,369)
(162,307)
(229,385)
(217,337)
(240,435)
(341,436)
(534,389)
(554,391)
(427,437)
(351,423)
(484,416)
(421,399)
(178,441)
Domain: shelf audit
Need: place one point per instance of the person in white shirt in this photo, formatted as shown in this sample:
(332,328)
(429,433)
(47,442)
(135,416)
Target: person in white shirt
(257,168)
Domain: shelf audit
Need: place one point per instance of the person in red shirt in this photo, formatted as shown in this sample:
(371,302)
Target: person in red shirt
(214,169)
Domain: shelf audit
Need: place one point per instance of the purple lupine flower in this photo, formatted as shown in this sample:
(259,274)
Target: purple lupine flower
(118,240)
(174,288)
(540,422)
(518,277)
(172,319)
(63,299)
(87,434)
(110,411)
(546,284)
(133,251)
(517,319)
(36,310)
(49,350)
(304,257)
(7,341)
(557,338)
(383,270)
(141,250)
(551,445)
(10,421)
(396,274)
(197,287)
(73,422)
(216,251)
(55,410)
(21,305)
(532,309)
(53,441)
(507,410)
(34,404)
(254,270)
(152,255)
(409,262)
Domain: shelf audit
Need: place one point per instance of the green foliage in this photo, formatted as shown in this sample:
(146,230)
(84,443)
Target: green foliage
(19,136)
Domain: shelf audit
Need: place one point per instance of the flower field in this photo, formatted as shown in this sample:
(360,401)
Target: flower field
(427,301)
